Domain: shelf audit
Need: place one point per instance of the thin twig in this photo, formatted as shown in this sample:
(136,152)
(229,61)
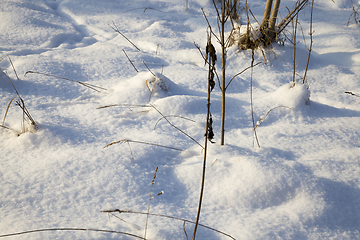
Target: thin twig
(354,13)
(251,99)
(13,67)
(7,109)
(356,95)
(118,31)
(147,215)
(93,87)
(311,41)
(5,127)
(241,73)
(70,229)
(177,127)
(130,61)
(218,39)
(291,15)
(126,105)
(187,238)
(22,106)
(148,143)
(149,69)
(264,117)
(172,116)
(117,217)
(166,216)
(143,8)
(294,44)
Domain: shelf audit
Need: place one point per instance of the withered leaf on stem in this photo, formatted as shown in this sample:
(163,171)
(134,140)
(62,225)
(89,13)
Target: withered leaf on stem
(210,133)
(211,80)
(211,53)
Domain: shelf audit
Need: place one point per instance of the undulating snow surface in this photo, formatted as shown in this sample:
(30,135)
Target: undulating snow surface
(303,183)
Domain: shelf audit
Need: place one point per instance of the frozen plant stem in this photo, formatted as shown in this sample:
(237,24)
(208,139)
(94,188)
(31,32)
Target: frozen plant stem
(223,62)
(251,100)
(130,61)
(93,87)
(205,153)
(115,28)
(147,216)
(294,60)
(311,42)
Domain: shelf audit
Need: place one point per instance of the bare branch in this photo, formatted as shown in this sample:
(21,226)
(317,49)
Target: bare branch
(241,73)
(130,61)
(172,116)
(177,127)
(118,31)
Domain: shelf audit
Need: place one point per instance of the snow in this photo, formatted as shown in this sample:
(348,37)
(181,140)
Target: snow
(303,183)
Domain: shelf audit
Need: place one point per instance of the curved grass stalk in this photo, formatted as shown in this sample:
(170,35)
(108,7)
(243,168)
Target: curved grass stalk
(166,216)
(172,116)
(264,117)
(93,87)
(69,229)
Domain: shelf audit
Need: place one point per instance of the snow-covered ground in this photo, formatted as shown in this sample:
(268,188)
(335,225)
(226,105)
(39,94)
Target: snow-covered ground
(303,183)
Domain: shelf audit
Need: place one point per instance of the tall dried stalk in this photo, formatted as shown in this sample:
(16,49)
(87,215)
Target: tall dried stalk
(208,131)
(251,100)
(227,10)
(311,42)
(223,64)
(147,215)
(294,44)
(19,102)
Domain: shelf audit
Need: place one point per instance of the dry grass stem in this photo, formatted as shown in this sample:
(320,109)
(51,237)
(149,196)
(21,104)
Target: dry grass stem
(354,14)
(251,99)
(187,238)
(311,42)
(130,61)
(166,216)
(144,9)
(93,87)
(115,28)
(177,127)
(12,65)
(265,116)
(208,131)
(69,229)
(126,105)
(172,116)
(20,102)
(147,215)
(351,93)
(141,142)
(241,73)
(289,18)
(149,69)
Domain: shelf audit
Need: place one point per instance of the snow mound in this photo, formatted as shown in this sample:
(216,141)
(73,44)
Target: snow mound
(262,187)
(145,87)
(294,96)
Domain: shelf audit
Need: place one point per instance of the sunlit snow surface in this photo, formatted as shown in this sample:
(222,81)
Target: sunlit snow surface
(303,183)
